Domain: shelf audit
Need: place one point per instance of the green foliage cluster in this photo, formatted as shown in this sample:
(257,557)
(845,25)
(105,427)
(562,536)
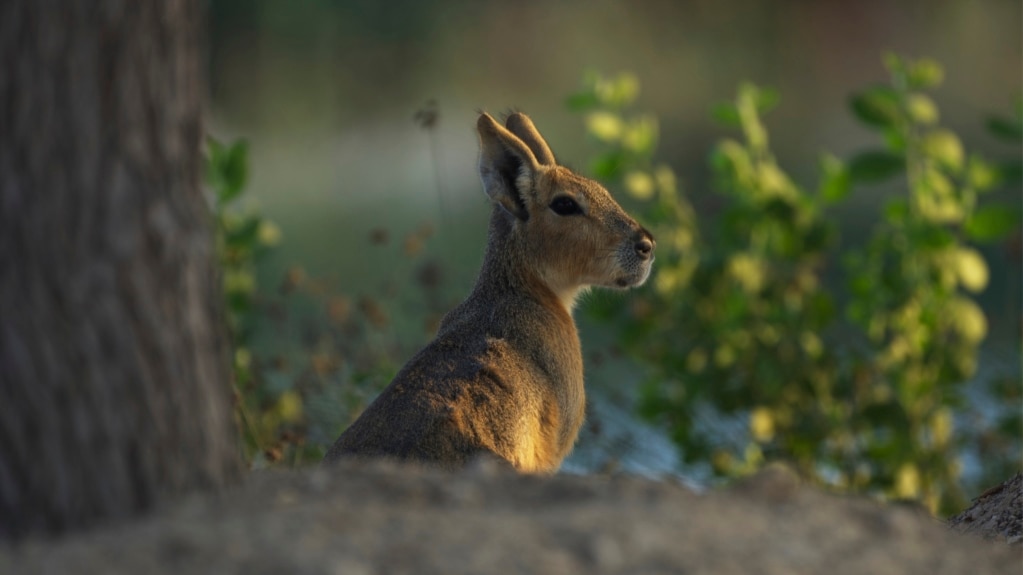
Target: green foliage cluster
(739,323)
(243,237)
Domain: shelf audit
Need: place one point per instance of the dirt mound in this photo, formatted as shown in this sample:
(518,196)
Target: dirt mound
(379,517)
(997,514)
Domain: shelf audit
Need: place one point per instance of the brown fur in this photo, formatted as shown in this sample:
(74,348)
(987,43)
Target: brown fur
(504,376)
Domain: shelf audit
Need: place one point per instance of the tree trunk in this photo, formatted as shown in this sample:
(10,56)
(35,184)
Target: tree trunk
(114,373)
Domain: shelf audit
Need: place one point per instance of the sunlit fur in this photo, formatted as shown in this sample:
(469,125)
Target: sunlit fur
(504,376)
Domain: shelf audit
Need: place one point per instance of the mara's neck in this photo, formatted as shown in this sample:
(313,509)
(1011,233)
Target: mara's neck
(507,273)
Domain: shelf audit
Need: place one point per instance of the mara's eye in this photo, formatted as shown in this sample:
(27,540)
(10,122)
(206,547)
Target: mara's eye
(565,206)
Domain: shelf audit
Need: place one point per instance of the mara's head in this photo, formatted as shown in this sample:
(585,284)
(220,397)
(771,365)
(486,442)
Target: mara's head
(566,228)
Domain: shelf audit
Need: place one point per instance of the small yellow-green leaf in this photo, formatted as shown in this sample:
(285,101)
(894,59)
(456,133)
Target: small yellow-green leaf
(968,319)
(811,344)
(893,62)
(665,282)
(922,109)
(774,182)
(941,426)
(980,174)
(835,183)
(289,406)
(971,269)
(617,92)
(239,282)
(747,105)
(605,126)
(269,234)
(748,270)
(640,135)
(767,99)
(696,361)
(944,146)
(761,424)
(242,358)
(639,185)
(907,481)
(731,156)
(666,182)
(936,199)
(724,356)
(925,73)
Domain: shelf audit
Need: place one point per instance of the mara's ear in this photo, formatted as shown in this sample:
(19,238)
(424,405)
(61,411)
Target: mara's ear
(507,166)
(520,125)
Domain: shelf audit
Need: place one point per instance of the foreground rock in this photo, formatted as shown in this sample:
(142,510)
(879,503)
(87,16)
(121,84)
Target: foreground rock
(997,514)
(383,518)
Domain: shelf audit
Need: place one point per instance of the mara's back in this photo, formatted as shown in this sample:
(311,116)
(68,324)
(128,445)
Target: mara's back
(504,375)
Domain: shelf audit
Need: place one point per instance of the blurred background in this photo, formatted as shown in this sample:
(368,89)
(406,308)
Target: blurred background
(359,117)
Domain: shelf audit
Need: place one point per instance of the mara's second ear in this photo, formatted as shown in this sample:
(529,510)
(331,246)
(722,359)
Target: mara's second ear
(507,166)
(520,125)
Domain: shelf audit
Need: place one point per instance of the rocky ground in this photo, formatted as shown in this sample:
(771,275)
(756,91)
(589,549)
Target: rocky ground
(997,514)
(382,518)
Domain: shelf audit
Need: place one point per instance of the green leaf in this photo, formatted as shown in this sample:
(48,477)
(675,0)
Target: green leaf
(991,223)
(877,107)
(730,157)
(605,126)
(931,237)
(780,209)
(835,182)
(1011,171)
(767,99)
(981,175)
(245,234)
(944,146)
(726,114)
(895,211)
(231,171)
(875,166)
(894,63)
(640,135)
(894,139)
(1005,129)
(214,160)
(582,101)
(922,109)
(608,166)
(617,92)
(925,73)
(236,167)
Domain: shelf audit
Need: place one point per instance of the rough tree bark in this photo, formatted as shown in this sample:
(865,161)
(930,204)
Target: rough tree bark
(113,361)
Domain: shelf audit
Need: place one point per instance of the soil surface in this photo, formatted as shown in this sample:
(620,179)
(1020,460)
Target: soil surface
(368,518)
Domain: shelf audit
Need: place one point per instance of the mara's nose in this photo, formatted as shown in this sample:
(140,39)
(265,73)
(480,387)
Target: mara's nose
(645,248)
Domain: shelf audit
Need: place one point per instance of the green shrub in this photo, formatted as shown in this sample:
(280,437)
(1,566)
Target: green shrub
(739,325)
(243,237)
